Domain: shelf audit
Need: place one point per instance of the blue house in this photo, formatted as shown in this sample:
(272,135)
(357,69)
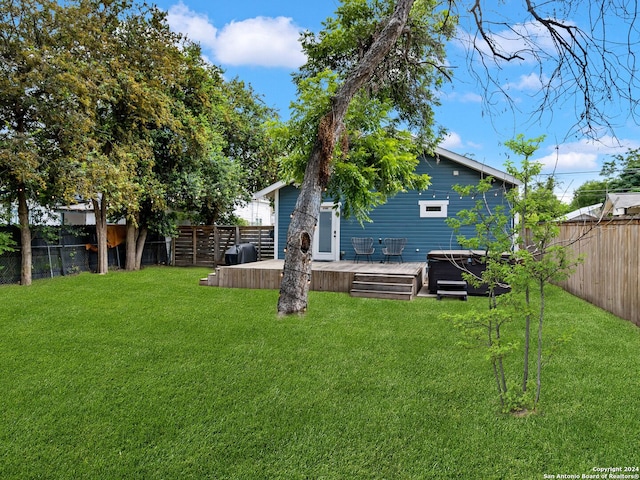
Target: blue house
(417,216)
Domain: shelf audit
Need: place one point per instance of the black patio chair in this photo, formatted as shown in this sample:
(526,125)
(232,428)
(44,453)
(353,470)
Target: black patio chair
(393,247)
(363,246)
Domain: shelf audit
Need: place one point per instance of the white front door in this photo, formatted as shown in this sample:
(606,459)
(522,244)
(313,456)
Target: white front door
(326,241)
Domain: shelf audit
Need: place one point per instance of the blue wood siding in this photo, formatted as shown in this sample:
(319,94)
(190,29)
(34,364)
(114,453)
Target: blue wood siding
(400,216)
(286,203)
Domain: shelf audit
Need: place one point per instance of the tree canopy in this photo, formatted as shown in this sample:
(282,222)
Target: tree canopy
(43,117)
(623,172)
(101,102)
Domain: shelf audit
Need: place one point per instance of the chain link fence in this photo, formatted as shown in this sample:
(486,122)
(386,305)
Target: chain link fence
(58,251)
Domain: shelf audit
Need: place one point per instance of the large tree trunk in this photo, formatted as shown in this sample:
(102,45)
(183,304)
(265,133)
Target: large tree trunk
(142,238)
(136,238)
(132,236)
(296,278)
(25,236)
(100,209)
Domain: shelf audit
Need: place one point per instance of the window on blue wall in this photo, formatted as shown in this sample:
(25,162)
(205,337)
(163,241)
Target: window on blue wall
(433,208)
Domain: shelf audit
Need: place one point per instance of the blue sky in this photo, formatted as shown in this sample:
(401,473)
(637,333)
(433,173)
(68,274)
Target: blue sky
(257,41)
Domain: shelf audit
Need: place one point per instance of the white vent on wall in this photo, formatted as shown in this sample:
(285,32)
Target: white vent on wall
(433,208)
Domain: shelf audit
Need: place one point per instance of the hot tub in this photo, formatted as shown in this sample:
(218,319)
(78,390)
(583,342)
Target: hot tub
(450,264)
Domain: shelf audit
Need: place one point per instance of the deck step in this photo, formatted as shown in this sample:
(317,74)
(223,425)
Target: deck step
(382,286)
(452,284)
(210,280)
(452,288)
(451,293)
(382,294)
(387,286)
(384,278)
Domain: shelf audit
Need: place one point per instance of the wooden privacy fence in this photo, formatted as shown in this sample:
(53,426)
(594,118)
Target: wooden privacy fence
(205,246)
(610,274)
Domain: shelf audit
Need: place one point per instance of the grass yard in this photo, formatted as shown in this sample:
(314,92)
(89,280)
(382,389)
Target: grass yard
(148,375)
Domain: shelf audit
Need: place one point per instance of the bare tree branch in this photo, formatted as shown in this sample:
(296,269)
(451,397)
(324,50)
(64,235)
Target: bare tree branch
(580,56)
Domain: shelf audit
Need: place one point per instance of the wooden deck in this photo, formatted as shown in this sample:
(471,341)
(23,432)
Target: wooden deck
(325,276)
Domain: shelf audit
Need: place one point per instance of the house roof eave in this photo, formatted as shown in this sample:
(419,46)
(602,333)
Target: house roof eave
(439,151)
(477,166)
(269,191)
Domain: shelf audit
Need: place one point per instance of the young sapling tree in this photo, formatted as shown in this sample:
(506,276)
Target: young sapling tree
(517,256)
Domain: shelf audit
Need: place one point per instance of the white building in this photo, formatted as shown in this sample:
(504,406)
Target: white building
(256,212)
(622,204)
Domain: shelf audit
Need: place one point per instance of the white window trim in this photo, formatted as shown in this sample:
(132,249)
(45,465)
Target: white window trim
(442,213)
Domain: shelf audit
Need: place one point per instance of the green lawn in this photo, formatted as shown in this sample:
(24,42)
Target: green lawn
(148,375)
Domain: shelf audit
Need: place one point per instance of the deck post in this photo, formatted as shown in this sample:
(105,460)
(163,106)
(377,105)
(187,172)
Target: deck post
(216,245)
(194,245)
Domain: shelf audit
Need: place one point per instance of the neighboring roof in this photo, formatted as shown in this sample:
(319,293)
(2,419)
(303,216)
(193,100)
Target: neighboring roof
(585,213)
(265,192)
(439,152)
(622,200)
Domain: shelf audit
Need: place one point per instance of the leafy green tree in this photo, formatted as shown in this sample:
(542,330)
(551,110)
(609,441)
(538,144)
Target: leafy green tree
(525,205)
(214,150)
(243,157)
(246,125)
(173,173)
(537,260)
(41,108)
(154,67)
(623,172)
(129,59)
(389,54)
(7,243)
(223,150)
(373,161)
(590,193)
(210,193)
(494,235)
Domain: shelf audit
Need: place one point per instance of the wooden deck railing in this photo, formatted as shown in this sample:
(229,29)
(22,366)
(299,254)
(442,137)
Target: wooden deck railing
(205,246)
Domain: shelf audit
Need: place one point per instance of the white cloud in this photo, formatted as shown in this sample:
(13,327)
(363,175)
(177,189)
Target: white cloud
(475,145)
(584,155)
(467,97)
(571,160)
(531,82)
(581,161)
(264,41)
(451,141)
(197,27)
(260,41)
